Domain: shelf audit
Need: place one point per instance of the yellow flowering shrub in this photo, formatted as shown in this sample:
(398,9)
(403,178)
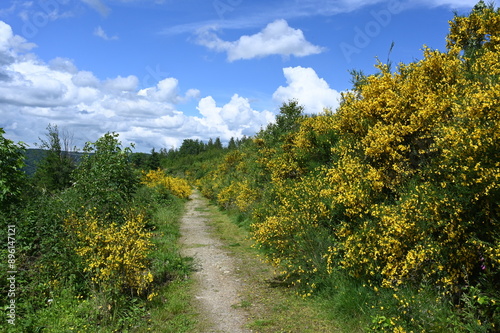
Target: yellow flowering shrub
(114,255)
(294,236)
(399,187)
(477,30)
(418,168)
(237,194)
(177,186)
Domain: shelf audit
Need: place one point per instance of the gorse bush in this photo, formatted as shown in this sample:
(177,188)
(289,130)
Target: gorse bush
(423,151)
(115,256)
(399,188)
(157,178)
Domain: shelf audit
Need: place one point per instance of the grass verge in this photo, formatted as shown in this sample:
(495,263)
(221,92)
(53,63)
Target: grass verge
(170,310)
(270,306)
(344,304)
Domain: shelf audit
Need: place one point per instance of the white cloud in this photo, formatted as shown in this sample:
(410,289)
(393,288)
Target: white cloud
(310,90)
(98,5)
(277,38)
(99,32)
(34,93)
(122,84)
(63,65)
(236,118)
(167,90)
(10,44)
(85,79)
(453,3)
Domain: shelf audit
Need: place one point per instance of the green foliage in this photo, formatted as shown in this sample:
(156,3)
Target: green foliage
(54,170)
(56,291)
(11,175)
(105,178)
(287,121)
(104,271)
(154,160)
(398,189)
(44,258)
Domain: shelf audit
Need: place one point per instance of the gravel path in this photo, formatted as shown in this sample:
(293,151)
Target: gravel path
(217,283)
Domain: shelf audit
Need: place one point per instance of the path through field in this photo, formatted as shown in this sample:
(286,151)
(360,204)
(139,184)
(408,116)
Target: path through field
(218,285)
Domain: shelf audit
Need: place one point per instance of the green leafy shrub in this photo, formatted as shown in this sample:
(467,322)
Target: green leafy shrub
(105,178)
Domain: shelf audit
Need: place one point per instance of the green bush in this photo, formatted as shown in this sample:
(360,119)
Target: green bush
(105,179)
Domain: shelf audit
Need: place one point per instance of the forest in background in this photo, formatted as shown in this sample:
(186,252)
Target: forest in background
(387,208)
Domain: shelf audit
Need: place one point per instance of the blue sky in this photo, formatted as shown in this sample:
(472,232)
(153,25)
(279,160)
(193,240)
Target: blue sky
(160,71)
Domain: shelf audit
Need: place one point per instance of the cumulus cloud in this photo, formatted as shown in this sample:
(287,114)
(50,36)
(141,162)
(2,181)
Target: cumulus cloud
(122,84)
(11,45)
(310,90)
(277,38)
(85,79)
(167,90)
(63,65)
(236,118)
(34,93)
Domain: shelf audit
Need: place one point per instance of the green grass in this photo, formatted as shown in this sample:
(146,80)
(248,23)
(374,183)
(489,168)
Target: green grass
(270,306)
(170,310)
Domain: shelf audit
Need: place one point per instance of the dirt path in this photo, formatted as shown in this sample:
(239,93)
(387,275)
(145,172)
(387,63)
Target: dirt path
(218,286)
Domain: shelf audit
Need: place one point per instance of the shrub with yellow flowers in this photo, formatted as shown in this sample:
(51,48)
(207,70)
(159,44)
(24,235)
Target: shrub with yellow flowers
(399,187)
(177,186)
(114,255)
(294,237)
(418,170)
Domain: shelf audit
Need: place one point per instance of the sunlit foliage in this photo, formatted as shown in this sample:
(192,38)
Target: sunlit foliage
(399,187)
(177,186)
(114,255)
(11,164)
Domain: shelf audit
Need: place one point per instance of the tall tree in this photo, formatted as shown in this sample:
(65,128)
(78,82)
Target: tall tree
(154,160)
(54,171)
(287,121)
(232,144)
(217,143)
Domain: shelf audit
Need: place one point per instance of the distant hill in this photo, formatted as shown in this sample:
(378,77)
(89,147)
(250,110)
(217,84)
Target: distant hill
(34,156)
